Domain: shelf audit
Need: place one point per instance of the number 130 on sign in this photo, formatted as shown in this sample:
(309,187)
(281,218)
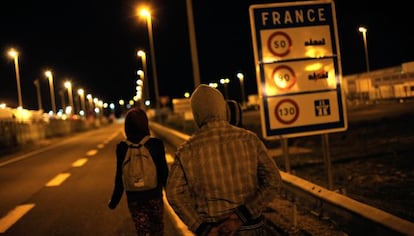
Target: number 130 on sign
(286,111)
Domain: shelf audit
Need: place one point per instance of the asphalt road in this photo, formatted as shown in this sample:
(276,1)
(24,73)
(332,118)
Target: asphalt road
(63,189)
(83,167)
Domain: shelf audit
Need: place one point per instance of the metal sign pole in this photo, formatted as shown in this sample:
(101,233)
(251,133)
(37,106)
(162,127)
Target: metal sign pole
(327,159)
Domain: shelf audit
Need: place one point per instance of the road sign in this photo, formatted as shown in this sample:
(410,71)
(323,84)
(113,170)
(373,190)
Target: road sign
(297,61)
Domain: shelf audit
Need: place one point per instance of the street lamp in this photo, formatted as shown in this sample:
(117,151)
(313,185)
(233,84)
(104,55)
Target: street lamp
(138,94)
(15,55)
(49,75)
(147,14)
(90,102)
(62,98)
(81,93)
(241,79)
(68,85)
(363,30)
(140,88)
(143,57)
(224,82)
(39,96)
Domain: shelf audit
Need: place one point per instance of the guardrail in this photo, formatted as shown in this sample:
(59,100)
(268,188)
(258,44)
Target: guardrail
(351,216)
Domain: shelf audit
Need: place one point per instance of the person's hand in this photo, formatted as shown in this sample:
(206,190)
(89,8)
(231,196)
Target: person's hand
(111,205)
(230,226)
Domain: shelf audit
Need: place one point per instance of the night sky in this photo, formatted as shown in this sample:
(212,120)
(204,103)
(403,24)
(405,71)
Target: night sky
(93,44)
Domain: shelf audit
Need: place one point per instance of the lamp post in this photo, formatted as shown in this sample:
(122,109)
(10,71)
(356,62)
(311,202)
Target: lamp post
(68,85)
(241,79)
(39,96)
(143,57)
(193,43)
(81,94)
(224,82)
(49,75)
(140,88)
(15,55)
(62,98)
(90,102)
(363,30)
(147,14)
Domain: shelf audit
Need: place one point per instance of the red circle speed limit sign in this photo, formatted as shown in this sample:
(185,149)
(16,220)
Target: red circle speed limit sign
(286,111)
(279,44)
(284,77)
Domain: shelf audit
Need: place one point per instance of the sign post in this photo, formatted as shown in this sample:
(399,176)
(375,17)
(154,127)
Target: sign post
(298,68)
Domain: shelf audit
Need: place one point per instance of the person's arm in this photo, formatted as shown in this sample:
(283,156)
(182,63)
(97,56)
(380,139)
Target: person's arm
(179,197)
(269,182)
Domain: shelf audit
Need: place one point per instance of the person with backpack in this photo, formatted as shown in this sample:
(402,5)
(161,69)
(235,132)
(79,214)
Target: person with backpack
(145,206)
(222,178)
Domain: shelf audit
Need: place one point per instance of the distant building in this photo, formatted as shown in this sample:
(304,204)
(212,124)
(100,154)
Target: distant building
(380,85)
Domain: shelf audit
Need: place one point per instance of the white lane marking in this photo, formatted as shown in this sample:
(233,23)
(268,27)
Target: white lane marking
(79,162)
(13,216)
(92,152)
(57,180)
(169,157)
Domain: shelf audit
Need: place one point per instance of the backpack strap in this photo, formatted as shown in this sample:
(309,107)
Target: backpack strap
(144,139)
(132,145)
(138,145)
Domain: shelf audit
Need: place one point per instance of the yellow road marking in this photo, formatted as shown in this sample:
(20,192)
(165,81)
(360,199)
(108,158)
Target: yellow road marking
(13,216)
(79,162)
(92,152)
(57,180)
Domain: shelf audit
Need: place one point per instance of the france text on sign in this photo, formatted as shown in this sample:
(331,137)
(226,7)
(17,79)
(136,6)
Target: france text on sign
(298,68)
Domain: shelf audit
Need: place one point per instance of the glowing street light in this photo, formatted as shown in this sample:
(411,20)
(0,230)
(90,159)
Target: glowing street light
(144,12)
(90,102)
(140,88)
(81,93)
(49,75)
(363,30)
(15,55)
(142,73)
(224,82)
(68,85)
(241,79)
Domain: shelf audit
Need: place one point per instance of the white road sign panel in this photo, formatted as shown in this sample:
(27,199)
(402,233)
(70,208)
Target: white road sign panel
(298,68)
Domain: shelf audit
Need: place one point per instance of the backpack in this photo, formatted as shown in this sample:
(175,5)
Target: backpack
(139,172)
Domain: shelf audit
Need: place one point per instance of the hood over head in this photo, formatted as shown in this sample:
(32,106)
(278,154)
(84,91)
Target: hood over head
(208,104)
(136,124)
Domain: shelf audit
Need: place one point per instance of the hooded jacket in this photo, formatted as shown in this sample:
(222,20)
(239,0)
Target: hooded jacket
(221,169)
